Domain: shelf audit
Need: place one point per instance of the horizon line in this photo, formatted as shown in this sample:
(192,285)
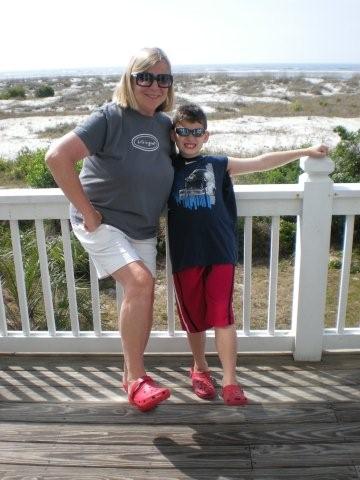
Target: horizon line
(177,65)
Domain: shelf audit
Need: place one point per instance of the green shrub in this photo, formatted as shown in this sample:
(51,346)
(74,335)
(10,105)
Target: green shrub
(44,91)
(16,91)
(296,106)
(30,165)
(335,263)
(3,165)
(355,261)
(29,169)
(80,259)
(39,176)
(33,283)
(346,156)
(286,174)
(287,237)
(261,235)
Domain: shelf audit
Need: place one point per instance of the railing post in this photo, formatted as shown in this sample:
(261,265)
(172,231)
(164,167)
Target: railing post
(312,256)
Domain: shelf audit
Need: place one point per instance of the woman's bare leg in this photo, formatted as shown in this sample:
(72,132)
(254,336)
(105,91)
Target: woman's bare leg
(135,319)
(125,375)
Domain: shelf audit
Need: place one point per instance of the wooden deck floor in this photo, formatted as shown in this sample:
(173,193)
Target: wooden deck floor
(66,417)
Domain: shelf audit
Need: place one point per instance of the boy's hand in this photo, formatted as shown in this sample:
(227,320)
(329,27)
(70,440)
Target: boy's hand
(317,152)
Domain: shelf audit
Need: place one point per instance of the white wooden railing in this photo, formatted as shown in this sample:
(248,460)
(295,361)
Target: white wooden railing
(314,200)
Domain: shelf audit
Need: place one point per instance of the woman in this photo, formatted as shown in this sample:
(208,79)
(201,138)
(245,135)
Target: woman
(117,200)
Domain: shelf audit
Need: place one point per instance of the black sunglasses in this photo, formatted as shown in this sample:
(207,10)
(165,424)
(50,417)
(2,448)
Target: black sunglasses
(195,132)
(146,79)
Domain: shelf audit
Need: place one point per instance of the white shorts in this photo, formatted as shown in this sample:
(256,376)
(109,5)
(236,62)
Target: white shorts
(110,249)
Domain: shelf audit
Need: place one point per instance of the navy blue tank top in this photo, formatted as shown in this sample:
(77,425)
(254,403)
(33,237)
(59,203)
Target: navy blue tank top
(202,214)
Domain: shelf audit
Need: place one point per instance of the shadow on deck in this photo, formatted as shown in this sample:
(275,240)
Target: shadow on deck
(66,417)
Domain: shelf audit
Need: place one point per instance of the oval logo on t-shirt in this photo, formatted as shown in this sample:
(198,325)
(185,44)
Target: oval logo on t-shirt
(146,142)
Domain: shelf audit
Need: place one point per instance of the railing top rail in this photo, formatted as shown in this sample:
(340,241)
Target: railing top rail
(347,189)
(252,200)
(45,195)
(32,195)
(268,191)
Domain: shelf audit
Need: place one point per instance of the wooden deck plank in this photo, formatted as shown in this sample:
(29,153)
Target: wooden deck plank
(66,417)
(124,456)
(99,362)
(347,412)
(16,472)
(112,413)
(256,395)
(273,378)
(180,434)
(306,455)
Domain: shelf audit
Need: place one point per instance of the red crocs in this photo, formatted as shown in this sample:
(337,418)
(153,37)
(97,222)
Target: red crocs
(145,394)
(126,385)
(234,395)
(202,384)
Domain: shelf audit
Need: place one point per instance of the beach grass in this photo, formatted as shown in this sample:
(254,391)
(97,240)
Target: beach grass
(57,131)
(298,95)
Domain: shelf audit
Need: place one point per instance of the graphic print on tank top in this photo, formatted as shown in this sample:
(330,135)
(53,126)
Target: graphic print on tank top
(199,189)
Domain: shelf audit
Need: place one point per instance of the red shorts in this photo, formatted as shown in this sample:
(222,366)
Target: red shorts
(204,297)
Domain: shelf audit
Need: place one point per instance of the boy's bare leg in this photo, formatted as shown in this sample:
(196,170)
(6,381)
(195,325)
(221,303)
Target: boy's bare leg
(225,339)
(197,343)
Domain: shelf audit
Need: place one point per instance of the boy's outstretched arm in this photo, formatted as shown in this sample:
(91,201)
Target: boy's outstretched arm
(267,161)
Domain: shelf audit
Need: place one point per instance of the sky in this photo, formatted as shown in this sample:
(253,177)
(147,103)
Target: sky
(49,34)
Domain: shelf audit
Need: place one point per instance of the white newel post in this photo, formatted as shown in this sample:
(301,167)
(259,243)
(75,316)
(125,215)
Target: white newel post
(312,256)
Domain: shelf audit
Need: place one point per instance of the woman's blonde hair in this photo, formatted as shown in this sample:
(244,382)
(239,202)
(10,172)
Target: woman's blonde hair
(142,61)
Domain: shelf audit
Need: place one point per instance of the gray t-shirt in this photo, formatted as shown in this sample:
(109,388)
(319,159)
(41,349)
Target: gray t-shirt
(128,174)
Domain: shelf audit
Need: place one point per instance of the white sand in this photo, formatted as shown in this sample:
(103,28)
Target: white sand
(34,102)
(17,133)
(243,136)
(228,97)
(314,80)
(330,89)
(252,135)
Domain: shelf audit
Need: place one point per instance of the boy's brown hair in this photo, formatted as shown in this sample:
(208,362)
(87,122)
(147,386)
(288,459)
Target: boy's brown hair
(190,113)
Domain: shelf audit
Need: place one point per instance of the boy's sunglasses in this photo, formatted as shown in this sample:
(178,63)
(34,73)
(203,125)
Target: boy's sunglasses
(185,132)
(146,79)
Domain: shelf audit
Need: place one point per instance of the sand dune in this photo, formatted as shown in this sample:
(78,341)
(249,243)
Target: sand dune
(247,115)
(247,135)
(253,135)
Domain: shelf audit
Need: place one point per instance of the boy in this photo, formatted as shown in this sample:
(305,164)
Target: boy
(202,237)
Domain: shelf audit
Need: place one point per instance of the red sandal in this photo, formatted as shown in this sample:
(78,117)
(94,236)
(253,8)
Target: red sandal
(145,394)
(202,384)
(126,384)
(234,395)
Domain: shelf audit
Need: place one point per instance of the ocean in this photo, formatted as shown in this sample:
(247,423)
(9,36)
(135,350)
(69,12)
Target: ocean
(338,70)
